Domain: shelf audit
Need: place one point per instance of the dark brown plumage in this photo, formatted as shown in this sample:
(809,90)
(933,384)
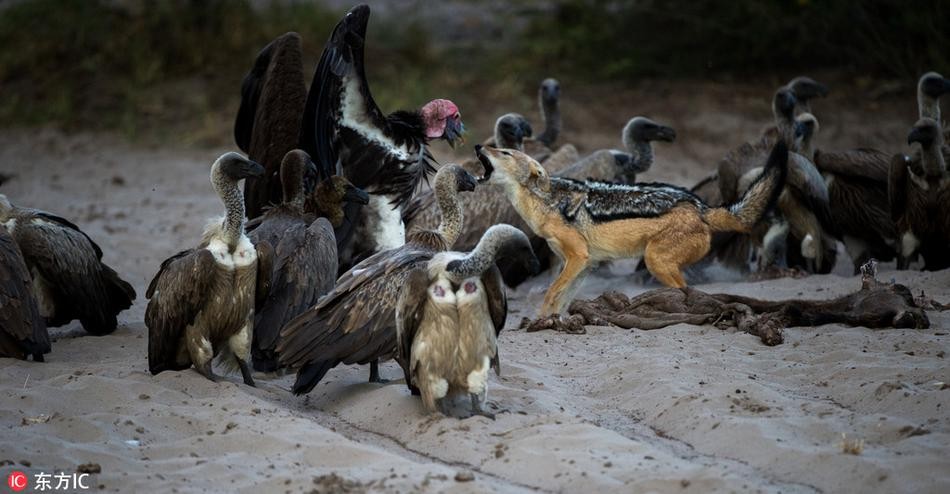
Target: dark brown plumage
(305,255)
(70,281)
(918,194)
(273,95)
(355,321)
(857,195)
(22,329)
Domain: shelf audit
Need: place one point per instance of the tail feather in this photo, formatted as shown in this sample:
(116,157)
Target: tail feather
(757,200)
(310,375)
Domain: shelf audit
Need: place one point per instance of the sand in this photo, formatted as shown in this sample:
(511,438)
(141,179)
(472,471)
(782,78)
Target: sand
(680,409)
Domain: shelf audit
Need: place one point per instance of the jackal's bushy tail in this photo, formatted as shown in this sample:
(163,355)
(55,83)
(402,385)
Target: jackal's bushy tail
(760,197)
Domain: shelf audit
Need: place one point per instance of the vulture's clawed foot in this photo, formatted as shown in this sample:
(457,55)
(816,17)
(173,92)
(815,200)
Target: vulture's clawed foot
(204,369)
(246,373)
(573,324)
(477,407)
(374,373)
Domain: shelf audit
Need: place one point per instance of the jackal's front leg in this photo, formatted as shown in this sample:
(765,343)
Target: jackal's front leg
(576,260)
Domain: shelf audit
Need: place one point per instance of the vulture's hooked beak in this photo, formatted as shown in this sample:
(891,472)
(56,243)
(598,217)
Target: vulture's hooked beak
(485,161)
(525,130)
(454,128)
(252,169)
(665,134)
(355,195)
(935,86)
(466,182)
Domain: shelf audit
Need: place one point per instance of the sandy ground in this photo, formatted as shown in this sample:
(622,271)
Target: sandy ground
(682,409)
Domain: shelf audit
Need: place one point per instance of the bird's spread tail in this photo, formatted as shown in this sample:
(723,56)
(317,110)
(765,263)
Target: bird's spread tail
(758,199)
(310,375)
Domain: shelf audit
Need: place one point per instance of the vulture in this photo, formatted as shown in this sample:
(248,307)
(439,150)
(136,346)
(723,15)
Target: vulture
(511,131)
(305,258)
(268,121)
(70,281)
(919,192)
(549,97)
(803,214)
(385,155)
(805,196)
(623,166)
(22,328)
(858,180)
(355,321)
(202,300)
(449,315)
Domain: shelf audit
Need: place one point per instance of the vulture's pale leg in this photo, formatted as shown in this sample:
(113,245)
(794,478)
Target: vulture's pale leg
(240,345)
(201,351)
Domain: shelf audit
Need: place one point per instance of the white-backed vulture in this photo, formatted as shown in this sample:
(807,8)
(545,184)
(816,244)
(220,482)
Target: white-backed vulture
(611,165)
(385,155)
(201,301)
(919,195)
(70,281)
(22,328)
(355,322)
(797,220)
(805,197)
(267,125)
(305,257)
(449,315)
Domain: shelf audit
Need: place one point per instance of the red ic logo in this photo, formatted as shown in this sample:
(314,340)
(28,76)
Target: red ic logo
(16,481)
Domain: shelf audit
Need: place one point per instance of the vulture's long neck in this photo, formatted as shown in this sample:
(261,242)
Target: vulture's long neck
(293,188)
(928,106)
(230,194)
(931,158)
(447,197)
(641,152)
(484,255)
(551,114)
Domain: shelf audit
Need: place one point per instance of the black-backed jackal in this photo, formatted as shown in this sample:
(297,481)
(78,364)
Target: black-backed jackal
(588,222)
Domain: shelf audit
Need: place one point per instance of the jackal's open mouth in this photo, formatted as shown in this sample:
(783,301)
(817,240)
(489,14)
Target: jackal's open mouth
(486,163)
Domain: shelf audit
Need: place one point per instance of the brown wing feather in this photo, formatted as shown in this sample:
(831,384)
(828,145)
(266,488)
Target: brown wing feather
(864,163)
(410,310)
(22,329)
(354,323)
(497,305)
(176,296)
(897,186)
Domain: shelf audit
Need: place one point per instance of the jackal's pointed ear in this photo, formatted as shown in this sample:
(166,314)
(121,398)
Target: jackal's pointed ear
(538,178)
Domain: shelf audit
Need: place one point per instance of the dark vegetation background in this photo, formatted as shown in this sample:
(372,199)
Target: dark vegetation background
(172,69)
